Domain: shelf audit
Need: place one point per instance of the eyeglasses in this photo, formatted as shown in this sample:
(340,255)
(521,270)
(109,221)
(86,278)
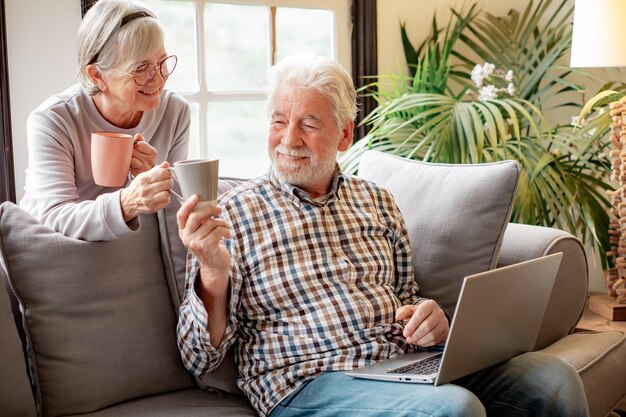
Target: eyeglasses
(145,72)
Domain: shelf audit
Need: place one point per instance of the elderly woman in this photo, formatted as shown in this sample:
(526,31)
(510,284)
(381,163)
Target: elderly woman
(123,68)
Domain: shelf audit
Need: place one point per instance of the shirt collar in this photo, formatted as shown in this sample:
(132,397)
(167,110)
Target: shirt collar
(293,191)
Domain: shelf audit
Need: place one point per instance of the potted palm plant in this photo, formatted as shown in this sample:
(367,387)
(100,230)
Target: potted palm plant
(450,109)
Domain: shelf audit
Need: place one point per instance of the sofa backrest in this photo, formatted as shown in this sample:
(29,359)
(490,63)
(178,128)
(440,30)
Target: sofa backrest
(455,214)
(98,316)
(101,316)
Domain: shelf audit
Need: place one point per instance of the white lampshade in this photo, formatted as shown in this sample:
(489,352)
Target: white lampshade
(599,38)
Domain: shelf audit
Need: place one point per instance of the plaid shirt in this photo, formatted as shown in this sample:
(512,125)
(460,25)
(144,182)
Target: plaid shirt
(315,285)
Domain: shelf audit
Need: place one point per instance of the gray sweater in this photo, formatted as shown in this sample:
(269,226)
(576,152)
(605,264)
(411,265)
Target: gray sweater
(60,190)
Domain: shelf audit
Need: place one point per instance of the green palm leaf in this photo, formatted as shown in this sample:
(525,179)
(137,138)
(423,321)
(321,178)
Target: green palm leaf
(427,115)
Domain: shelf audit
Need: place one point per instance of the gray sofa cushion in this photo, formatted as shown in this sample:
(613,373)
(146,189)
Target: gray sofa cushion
(98,315)
(184,403)
(456,216)
(16,397)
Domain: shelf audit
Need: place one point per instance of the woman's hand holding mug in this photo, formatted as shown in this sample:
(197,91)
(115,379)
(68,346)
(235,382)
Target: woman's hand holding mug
(148,192)
(144,156)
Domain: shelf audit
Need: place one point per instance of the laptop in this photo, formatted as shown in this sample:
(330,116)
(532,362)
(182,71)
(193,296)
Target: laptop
(498,316)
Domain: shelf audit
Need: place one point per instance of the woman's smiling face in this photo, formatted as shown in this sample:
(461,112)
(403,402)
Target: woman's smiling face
(126,94)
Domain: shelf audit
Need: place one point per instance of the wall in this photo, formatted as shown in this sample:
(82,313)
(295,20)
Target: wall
(42,60)
(418,17)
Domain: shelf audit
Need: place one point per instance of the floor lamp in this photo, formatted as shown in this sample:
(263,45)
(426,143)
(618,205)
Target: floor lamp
(598,41)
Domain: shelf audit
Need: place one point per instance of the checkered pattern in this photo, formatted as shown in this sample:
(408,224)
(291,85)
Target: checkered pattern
(315,285)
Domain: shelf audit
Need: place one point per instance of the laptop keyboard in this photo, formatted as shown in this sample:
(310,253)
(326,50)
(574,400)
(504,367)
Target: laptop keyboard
(423,366)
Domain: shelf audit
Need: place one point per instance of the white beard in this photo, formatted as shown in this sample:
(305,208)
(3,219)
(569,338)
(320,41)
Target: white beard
(294,173)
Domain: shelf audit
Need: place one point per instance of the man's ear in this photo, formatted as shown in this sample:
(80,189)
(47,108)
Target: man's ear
(346,139)
(96,77)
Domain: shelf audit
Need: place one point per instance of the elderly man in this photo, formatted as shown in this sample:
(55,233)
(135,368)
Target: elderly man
(307,272)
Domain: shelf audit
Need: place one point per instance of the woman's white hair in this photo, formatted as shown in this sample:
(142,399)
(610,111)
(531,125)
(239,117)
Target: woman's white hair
(101,40)
(321,74)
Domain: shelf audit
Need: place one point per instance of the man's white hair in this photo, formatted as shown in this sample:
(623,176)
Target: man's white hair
(321,74)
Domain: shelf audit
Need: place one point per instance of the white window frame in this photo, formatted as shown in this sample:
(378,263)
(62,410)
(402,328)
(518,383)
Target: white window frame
(202,98)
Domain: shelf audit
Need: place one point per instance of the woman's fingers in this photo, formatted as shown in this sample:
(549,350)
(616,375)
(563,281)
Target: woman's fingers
(144,156)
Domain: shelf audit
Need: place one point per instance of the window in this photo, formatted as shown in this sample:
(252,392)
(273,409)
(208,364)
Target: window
(225,50)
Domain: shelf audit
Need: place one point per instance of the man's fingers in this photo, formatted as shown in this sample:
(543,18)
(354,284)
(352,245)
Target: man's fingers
(185,210)
(433,337)
(205,241)
(211,232)
(427,326)
(197,215)
(405,312)
(416,320)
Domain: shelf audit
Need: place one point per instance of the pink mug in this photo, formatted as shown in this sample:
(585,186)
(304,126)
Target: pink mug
(111,154)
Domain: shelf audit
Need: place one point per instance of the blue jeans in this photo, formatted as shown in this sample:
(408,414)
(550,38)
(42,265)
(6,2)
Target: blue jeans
(532,384)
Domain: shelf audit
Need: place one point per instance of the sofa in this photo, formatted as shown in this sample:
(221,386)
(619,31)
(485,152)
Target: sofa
(89,328)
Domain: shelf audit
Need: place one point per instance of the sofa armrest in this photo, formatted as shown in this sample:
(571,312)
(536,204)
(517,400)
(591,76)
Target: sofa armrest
(523,242)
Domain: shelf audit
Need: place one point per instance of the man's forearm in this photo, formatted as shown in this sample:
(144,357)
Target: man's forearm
(214,296)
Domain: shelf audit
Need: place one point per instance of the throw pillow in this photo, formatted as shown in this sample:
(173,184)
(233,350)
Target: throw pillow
(456,216)
(16,398)
(98,316)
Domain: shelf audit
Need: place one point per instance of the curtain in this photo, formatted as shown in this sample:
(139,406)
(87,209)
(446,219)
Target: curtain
(7,177)
(364,56)
(86,5)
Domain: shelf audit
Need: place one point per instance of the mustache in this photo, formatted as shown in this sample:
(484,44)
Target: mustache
(293,152)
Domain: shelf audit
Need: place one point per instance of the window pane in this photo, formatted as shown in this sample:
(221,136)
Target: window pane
(237,134)
(237,46)
(304,30)
(178,20)
(194,134)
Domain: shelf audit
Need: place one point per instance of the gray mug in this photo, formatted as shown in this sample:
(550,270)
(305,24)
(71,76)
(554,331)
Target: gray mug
(196,176)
